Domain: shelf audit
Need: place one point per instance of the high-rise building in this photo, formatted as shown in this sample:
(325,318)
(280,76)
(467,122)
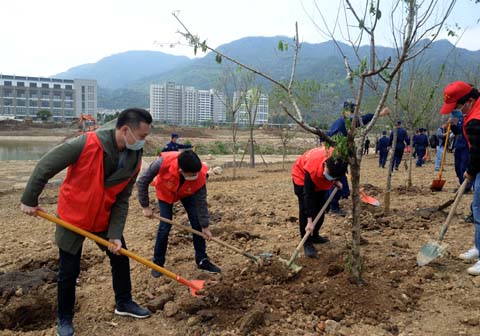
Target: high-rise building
(185,105)
(219,114)
(22,97)
(258,108)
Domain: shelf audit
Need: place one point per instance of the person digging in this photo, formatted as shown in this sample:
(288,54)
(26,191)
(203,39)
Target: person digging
(179,176)
(313,174)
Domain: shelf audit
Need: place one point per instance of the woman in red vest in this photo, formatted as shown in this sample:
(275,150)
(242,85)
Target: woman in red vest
(313,174)
(464,97)
(178,177)
(102,168)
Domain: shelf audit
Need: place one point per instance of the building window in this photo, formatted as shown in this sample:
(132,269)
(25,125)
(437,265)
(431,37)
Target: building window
(21,84)
(68,87)
(33,85)
(45,104)
(68,96)
(57,104)
(20,102)
(45,95)
(8,93)
(45,85)
(32,103)
(33,94)
(8,102)
(21,94)
(56,86)
(7,83)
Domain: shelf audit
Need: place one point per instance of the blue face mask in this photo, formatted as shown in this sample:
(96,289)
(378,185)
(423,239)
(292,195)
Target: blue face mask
(328,177)
(137,145)
(457,114)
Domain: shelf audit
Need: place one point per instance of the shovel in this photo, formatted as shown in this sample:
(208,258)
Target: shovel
(290,263)
(364,197)
(437,185)
(216,240)
(433,249)
(194,285)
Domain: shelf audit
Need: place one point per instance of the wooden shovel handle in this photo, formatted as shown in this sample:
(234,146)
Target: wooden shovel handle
(460,192)
(123,251)
(305,237)
(201,234)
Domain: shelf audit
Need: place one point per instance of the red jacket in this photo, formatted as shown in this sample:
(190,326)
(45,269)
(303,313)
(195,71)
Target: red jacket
(168,180)
(313,162)
(83,200)
(473,114)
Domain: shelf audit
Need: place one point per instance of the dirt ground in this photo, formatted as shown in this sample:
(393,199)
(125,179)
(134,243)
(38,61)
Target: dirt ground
(256,212)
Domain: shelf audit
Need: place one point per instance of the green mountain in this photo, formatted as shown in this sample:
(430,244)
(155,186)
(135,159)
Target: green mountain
(129,83)
(119,70)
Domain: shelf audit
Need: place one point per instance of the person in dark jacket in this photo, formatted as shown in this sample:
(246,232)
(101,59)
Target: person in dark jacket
(367,146)
(102,169)
(460,147)
(174,146)
(441,136)
(402,141)
(178,177)
(339,127)
(420,143)
(382,147)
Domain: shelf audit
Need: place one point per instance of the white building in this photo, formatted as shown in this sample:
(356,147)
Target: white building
(259,108)
(185,105)
(66,99)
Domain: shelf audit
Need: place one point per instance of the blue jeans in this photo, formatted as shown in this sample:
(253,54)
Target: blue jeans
(438,158)
(397,157)
(344,193)
(476,210)
(69,269)
(189,203)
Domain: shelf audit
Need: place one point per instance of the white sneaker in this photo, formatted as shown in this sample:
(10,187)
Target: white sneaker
(470,254)
(475,269)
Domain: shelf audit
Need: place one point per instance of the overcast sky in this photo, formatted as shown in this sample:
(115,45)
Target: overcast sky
(42,38)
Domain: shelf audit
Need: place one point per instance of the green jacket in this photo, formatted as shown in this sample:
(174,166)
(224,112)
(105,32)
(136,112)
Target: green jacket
(67,153)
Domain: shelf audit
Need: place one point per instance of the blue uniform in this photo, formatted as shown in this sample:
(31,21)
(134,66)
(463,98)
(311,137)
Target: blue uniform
(461,151)
(382,147)
(420,142)
(174,147)
(339,126)
(402,141)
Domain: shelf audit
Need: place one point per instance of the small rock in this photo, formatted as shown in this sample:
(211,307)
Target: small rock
(170,309)
(159,302)
(193,320)
(476,281)
(19,291)
(205,315)
(331,327)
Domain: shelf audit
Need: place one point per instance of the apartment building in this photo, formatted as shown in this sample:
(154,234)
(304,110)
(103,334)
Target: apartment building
(22,97)
(177,104)
(256,104)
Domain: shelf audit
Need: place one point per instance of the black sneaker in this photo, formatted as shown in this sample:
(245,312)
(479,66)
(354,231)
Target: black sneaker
(65,328)
(208,266)
(130,308)
(155,274)
(338,211)
(319,240)
(310,250)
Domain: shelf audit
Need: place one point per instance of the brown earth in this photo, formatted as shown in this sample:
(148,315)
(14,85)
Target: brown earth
(257,213)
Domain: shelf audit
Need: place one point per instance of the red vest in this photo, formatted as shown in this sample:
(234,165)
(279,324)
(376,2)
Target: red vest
(313,162)
(83,200)
(473,114)
(168,180)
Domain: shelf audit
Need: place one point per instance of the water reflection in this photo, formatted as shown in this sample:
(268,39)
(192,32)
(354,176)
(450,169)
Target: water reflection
(24,150)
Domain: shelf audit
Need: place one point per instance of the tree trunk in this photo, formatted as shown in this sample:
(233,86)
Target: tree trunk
(234,160)
(284,155)
(410,168)
(388,187)
(356,261)
(252,150)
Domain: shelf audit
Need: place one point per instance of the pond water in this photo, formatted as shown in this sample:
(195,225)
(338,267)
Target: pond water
(24,149)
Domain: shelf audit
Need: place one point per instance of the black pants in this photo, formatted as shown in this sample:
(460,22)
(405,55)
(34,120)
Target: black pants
(320,198)
(69,269)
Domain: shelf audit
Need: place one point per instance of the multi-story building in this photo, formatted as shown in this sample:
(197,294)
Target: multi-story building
(256,104)
(219,114)
(22,97)
(185,105)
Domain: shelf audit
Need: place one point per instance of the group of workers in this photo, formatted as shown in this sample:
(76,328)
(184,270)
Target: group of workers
(109,159)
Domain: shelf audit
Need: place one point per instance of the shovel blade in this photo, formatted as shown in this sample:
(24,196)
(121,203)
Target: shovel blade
(294,267)
(437,185)
(369,199)
(429,252)
(197,285)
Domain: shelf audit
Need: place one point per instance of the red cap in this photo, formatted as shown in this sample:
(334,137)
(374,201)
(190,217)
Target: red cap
(452,93)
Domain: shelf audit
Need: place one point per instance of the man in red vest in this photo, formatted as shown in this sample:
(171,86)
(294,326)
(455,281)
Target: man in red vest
(465,98)
(102,168)
(313,174)
(179,176)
